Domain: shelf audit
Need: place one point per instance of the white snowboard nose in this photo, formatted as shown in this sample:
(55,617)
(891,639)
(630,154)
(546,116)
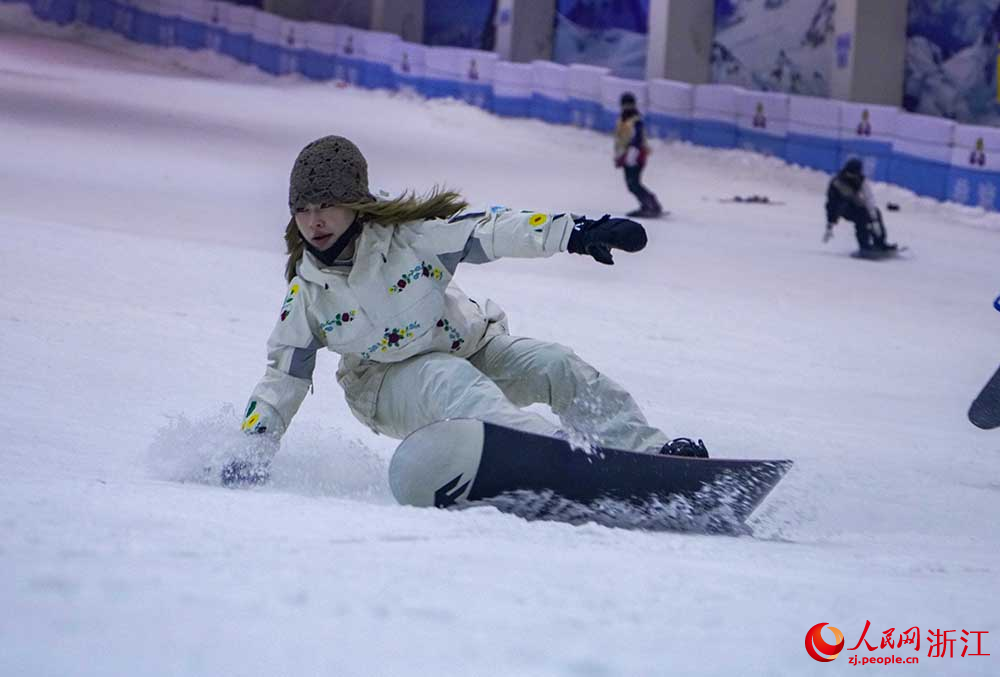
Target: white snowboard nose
(436,465)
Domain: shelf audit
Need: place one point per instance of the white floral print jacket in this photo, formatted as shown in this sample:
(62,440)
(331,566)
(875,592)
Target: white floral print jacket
(397,300)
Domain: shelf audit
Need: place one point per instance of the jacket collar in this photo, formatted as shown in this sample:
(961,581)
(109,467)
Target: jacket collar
(371,252)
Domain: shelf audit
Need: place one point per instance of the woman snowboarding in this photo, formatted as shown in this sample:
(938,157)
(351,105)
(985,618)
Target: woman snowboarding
(372,280)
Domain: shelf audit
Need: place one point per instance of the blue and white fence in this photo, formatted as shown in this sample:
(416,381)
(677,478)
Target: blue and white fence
(191,25)
(584,94)
(409,66)
(550,92)
(975,167)
(60,12)
(512,89)
(318,52)
(238,35)
(380,54)
(929,155)
(267,48)
(460,73)
(669,113)
(813,133)
(713,116)
(921,154)
(349,44)
(762,122)
(867,132)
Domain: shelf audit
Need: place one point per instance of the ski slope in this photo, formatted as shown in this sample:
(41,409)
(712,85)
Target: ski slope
(142,211)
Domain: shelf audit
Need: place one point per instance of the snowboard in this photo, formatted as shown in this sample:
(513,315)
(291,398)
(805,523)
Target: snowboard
(465,462)
(985,410)
(880,254)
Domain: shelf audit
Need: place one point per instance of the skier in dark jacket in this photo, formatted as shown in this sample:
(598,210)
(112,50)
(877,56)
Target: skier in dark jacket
(630,154)
(849,196)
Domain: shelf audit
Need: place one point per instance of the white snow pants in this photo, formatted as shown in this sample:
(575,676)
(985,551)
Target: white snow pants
(508,373)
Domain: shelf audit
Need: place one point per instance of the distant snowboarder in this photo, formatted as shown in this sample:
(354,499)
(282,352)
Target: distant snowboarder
(631,151)
(371,280)
(849,196)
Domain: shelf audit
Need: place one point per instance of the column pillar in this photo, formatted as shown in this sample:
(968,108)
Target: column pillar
(680,40)
(405,18)
(524,29)
(869,51)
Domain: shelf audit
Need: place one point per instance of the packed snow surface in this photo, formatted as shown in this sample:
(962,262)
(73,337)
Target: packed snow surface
(142,208)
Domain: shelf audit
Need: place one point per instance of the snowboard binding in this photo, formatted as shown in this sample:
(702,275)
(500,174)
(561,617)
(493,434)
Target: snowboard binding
(685,446)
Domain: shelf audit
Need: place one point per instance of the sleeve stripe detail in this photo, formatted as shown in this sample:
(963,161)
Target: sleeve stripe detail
(302,363)
(463,217)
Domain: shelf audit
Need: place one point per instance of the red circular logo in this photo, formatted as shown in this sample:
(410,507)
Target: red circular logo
(817,646)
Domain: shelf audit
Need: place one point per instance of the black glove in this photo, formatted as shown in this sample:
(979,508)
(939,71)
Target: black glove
(250,464)
(242,473)
(598,238)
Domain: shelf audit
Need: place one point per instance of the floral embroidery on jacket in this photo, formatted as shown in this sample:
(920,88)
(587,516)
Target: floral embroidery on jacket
(339,320)
(423,269)
(393,338)
(286,307)
(456,338)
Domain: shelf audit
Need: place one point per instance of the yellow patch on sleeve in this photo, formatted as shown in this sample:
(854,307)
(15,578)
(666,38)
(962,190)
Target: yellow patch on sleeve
(286,307)
(250,422)
(538,219)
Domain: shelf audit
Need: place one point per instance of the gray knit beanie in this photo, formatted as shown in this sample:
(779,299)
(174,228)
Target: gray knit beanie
(330,170)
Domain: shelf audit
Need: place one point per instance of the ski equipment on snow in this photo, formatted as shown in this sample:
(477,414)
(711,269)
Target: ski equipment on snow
(878,254)
(465,462)
(751,200)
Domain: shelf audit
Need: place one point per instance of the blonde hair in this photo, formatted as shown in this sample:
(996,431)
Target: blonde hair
(438,204)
